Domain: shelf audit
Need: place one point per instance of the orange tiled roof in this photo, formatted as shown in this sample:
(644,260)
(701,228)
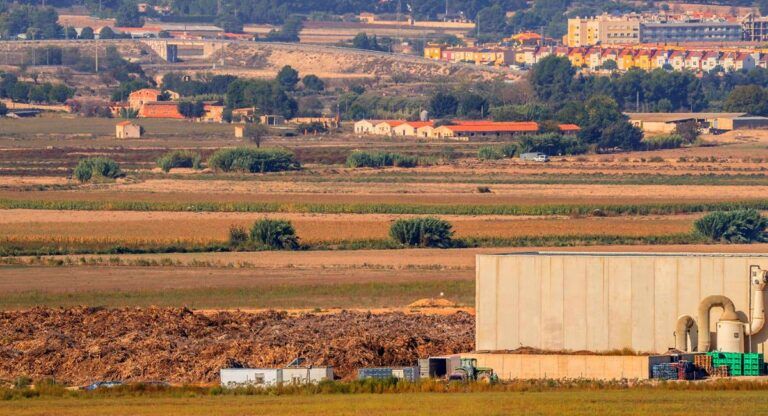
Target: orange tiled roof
(124,123)
(496,127)
(569,127)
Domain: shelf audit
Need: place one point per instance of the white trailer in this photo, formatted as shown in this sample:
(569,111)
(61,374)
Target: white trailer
(242,377)
(306,375)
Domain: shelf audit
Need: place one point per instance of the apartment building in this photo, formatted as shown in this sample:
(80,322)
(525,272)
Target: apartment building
(680,32)
(603,30)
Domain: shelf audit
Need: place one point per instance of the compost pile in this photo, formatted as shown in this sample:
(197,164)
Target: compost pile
(176,345)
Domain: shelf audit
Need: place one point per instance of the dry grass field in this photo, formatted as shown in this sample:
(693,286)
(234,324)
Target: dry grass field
(203,227)
(576,403)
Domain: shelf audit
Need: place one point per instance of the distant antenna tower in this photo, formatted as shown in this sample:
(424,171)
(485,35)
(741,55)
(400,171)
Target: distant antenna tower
(446,10)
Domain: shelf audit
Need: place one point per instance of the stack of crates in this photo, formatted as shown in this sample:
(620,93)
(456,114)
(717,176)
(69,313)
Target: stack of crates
(753,364)
(704,362)
(665,371)
(733,360)
(681,370)
(721,371)
(739,364)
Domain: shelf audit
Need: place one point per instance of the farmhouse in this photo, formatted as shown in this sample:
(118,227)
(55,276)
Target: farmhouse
(411,128)
(140,97)
(160,109)
(127,130)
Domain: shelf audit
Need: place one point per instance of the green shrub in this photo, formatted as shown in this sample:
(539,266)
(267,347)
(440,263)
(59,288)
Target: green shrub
(405,161)
(552,144)
(179,159)
(489,153)
(276,234)
(363,159)
(740,226)
(248,159)
(97,167)
(671,141)
(237,235)
(484,189)
(509,150)
(422,232)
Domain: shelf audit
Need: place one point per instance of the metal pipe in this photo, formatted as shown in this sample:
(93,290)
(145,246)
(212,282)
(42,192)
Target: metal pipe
(759,278)
(684,325)
(729,314)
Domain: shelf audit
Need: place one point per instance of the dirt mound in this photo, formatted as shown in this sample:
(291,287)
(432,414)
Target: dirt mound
(432,303)
(80,345)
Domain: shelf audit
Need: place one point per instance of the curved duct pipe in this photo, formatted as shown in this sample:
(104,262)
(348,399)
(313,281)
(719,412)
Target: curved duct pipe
(729,314)
(757,321)
(684,325)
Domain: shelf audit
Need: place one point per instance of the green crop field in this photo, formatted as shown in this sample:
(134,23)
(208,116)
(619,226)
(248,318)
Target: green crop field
(587,403)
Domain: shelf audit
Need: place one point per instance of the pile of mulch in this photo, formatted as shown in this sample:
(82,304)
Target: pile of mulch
(81,345)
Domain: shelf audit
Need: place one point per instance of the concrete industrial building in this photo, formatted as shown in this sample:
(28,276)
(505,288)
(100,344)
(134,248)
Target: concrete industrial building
(665,123)
(600,302)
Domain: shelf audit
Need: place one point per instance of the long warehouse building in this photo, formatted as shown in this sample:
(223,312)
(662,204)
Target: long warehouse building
(601,302)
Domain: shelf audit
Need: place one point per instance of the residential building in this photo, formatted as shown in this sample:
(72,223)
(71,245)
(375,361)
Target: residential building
(603,30)
(145,95)
(410,128)
(127,130)
(213,113)
(433,51)
(755,28)
(364,127)
(160,109)
(679,32)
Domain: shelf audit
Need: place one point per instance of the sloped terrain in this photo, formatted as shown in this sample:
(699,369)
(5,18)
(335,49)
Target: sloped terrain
(177,345)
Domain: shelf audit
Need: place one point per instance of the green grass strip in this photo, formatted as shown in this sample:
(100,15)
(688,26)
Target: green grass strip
(368,208)
(53,248)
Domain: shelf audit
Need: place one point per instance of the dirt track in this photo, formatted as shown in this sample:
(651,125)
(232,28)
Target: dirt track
(176,345)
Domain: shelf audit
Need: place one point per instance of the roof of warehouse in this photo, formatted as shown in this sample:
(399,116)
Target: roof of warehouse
(670,117)
(625,254)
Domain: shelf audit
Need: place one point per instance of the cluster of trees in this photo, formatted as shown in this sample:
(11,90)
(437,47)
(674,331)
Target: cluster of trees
(739,226)
(252,160)
(203,84)
(21,91)
(370,43)
(97,168)
(34,22)
(271,96)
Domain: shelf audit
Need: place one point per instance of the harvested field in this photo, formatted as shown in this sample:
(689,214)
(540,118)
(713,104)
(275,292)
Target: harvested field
(136,226)
(176,345)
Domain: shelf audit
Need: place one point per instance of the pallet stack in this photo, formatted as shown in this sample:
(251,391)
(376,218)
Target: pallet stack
(681,370)
(704,362)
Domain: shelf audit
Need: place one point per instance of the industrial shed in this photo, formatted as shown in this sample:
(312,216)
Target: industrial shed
(665,123)
(600,302)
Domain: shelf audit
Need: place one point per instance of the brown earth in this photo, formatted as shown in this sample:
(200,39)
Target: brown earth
(131,278)
(82,345)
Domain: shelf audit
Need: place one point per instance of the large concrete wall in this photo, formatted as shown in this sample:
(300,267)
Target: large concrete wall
(560,366)
(603,301)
